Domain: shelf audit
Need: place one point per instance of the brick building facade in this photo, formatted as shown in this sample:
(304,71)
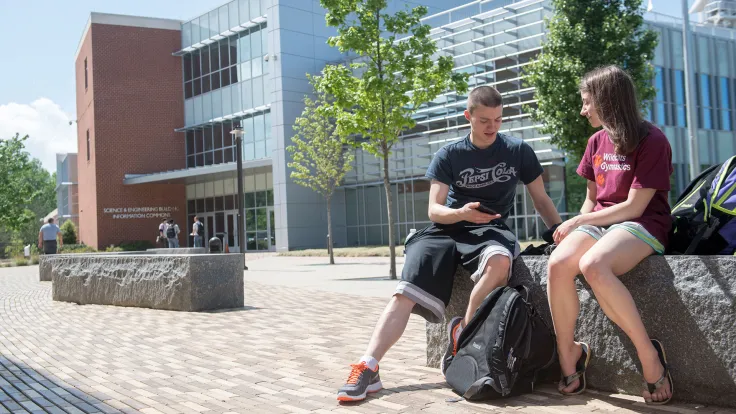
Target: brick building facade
(129,101)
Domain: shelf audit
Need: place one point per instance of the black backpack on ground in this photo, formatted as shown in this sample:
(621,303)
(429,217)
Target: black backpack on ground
(502,349)
(171,232)
(705,213)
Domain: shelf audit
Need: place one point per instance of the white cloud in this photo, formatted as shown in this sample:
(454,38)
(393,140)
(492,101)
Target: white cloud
(46,125)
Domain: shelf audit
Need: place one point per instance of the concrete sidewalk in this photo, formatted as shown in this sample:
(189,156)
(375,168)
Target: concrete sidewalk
(286,351)
(362,276)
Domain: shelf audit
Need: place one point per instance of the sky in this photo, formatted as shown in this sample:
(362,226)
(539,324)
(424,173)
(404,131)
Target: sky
(39,39)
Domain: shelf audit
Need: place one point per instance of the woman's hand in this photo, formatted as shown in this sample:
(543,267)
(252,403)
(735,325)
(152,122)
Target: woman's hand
(565,229)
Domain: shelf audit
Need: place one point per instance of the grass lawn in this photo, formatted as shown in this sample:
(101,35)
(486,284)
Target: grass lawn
(366,251)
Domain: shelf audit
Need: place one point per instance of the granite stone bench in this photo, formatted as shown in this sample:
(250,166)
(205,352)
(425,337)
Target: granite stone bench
(687,302)
(194,282)
(178,250)
(44,273)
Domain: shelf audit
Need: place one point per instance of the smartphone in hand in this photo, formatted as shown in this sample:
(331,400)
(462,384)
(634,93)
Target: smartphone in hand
(484,209)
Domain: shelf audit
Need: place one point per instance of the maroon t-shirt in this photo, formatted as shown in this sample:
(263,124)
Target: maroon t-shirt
(648,166)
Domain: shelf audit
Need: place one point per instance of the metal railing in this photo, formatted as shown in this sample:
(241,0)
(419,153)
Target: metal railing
(721,13)
(473,9)
(701,28)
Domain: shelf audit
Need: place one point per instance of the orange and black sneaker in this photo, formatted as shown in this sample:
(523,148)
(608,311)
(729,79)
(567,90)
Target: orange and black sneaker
(452,328)
(362,381)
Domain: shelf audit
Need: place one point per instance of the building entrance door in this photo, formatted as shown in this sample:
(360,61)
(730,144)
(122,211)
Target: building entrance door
(271,230)
(209,228)
(231,229)
(224,226)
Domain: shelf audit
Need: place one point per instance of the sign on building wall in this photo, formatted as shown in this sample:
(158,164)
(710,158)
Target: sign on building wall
(140,212)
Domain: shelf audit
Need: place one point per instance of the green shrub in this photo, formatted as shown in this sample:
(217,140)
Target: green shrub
(20,262)
(76,248)
(113,248)
(34,260)
(14,249)
(135,246)
(69,232)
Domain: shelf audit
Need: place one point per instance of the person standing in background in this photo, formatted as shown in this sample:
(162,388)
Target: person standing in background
(47,237)
(197,232)
(161,239)
(172,234)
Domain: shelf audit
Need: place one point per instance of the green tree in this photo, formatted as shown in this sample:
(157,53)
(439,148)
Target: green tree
(391,79)
(576,187)
(583,35)
(69,232)
(16,190)
(42,204)
(320,160)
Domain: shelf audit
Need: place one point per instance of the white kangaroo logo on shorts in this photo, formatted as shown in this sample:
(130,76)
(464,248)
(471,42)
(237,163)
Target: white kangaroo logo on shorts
(483,177)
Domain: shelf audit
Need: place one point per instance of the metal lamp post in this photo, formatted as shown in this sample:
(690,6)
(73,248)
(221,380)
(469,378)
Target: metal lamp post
(237,133)
(692,114)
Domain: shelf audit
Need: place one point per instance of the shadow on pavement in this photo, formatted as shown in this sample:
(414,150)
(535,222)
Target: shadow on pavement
(243,309)
(23,389)
(546,397)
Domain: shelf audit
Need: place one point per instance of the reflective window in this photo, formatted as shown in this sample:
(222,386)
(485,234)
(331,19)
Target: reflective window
(258,128)
(706,112)
(237,58)
(659,106)
(724,92)
(680,113)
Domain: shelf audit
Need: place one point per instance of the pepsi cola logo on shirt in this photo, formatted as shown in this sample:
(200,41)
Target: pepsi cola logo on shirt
(483,177)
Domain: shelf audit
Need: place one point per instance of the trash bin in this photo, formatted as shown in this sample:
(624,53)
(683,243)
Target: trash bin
(215,245)
(27,251)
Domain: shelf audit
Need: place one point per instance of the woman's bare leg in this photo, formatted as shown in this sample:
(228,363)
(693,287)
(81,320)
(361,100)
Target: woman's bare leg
(563,298)
(615,254)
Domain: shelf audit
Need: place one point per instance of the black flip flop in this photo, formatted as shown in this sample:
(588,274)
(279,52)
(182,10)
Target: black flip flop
(581,366)
(656,385)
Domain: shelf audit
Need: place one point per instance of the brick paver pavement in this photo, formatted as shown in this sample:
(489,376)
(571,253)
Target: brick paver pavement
(287,351)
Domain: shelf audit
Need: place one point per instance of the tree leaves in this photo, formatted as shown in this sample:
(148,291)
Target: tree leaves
(380,92)
(17,190)
(319,159)
(397,71)
(583,35)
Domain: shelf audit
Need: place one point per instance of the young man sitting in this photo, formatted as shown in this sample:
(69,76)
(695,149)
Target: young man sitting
(478,172)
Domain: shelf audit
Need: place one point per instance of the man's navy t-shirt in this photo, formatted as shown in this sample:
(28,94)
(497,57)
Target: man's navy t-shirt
(489,175)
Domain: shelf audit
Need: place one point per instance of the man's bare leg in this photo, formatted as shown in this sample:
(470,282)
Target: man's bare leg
(495,274)
(390,326)
(364,378)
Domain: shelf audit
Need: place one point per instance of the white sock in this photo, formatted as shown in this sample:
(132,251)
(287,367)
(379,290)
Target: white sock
(370,361)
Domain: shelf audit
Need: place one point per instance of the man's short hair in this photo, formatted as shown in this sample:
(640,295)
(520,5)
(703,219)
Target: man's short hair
(171,221)
(50,220)
(484,96)
(196,217)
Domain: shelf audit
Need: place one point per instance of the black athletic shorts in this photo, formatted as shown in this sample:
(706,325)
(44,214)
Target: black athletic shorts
(433,253)
(49,247)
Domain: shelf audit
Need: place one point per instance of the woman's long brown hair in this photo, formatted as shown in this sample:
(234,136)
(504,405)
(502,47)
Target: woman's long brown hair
(613,94)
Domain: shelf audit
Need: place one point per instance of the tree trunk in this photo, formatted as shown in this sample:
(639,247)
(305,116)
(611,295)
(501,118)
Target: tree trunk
(390,203)
(329,232)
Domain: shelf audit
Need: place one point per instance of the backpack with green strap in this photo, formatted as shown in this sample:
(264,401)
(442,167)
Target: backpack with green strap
(705,214)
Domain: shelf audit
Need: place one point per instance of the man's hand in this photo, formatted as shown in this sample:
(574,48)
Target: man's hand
(469,212)
(564,229)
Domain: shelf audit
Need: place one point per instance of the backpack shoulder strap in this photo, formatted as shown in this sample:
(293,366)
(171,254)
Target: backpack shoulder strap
(722,197)
(478,385)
